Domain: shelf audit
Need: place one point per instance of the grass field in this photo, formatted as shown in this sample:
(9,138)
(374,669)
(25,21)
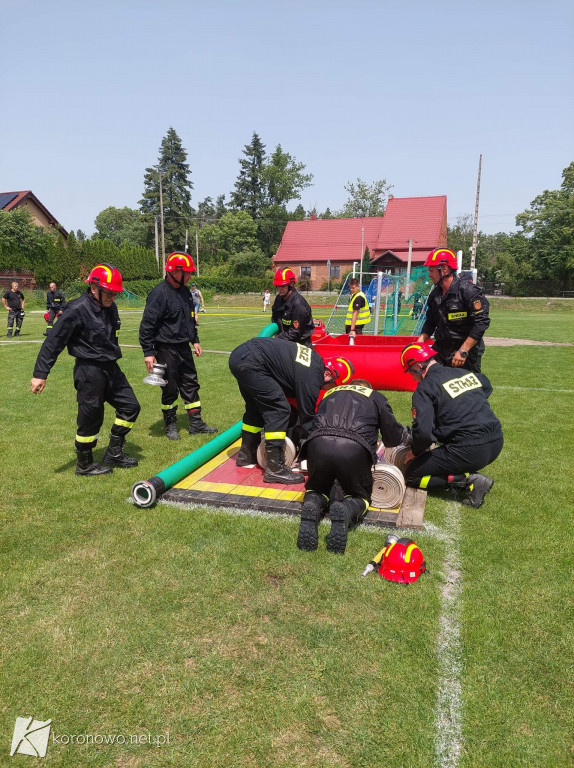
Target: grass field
(215,631)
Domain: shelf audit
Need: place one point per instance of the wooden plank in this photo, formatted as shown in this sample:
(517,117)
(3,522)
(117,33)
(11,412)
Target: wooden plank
(412,509)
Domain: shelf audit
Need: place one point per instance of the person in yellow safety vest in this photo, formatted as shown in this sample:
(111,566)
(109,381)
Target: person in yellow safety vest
(358,312)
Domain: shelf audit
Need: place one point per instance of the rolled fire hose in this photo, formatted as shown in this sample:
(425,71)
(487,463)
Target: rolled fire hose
(388,486)
(290,453)
(145,492)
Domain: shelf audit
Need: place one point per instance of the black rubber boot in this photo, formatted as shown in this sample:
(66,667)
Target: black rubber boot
(342,514)
(314,505)
(170,423)
(114,453)
(9,334)
(17,333)
(477,487)
(247,454)
(277,471)
(87,466)
(196,424)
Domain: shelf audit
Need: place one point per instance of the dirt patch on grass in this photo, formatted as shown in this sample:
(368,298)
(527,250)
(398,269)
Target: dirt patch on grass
(495,341)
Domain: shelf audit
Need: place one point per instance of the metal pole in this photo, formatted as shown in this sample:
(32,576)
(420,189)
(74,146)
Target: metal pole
(156,242)
(409,268)
(354,268)
(328,275)
(162,223)
(186,231)
(378,302)
(362,254)
(475,228)
(197,252)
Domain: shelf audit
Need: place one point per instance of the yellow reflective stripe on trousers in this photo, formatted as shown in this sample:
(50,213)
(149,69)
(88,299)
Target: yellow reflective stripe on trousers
(424,481)
(90,439)
(248,428)
(275,435)
(187,406)
(168,407)
(122,423)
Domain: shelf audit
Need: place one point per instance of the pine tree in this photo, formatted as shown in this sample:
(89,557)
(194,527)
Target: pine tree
(176,189)
(249,194)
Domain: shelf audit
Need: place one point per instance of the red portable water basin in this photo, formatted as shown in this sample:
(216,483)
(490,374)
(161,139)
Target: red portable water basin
(375,358)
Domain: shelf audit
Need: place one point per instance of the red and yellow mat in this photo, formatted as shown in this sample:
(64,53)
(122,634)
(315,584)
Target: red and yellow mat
(220,483)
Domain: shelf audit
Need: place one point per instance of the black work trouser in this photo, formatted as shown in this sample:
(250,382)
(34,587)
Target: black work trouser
(265,403)
(181,375)
(338,458)
(97,384)
(15,314)
(52,314)
(436,468)
(446,349)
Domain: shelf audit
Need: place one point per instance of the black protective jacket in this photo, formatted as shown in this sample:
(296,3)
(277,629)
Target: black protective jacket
(168,318)
(297,369)
(357,413)
(450,405)
(89,331)
(452,318)
(55,300)
(294,317)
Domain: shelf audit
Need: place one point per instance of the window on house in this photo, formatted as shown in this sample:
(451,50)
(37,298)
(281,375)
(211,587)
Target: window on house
(306,272)
(335,271)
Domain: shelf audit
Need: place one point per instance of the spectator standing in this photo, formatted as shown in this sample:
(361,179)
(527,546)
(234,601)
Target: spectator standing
(55,303)
(14,301)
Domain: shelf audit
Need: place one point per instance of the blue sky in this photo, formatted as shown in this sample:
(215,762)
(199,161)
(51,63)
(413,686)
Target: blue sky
(412,92)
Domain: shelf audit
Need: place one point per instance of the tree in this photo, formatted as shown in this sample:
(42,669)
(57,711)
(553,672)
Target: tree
(249,190)
(365,199)
(298,214)
(123,226)
(176,189)
(22,243)
(548,226)
(264,187)
(459,237)
(283,179)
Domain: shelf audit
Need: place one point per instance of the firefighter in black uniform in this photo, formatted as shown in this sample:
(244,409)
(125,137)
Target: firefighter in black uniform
(457,314)
(290,310)
(90,327)
(268,371)
(342,446)
(450,407)
(166,331)
(55,303)
(14,301)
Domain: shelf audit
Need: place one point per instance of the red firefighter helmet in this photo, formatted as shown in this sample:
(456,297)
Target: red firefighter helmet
(47,317)
(342,370)
(416,353)
(442,256)
(284,277)
(107,277)
(181,260)
(402,562)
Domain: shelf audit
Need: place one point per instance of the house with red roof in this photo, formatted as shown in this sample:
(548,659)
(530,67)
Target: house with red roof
(320,249)
(41,216)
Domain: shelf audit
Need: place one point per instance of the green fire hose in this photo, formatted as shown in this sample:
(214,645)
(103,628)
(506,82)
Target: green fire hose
(146,492)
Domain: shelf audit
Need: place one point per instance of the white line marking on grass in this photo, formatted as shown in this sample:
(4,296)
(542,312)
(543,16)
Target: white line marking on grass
(538,389)
(449,696)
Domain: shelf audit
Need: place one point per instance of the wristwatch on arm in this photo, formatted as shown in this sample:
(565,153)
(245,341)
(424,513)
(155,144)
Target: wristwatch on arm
(463,353)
